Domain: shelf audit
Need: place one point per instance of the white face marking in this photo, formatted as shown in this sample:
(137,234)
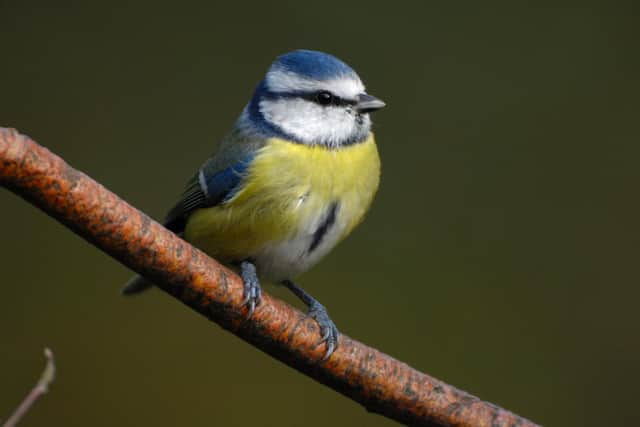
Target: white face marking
(313,123)
(347,87)
(309,122)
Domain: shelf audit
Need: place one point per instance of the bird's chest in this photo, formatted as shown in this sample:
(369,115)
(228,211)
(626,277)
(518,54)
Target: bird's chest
(312,196)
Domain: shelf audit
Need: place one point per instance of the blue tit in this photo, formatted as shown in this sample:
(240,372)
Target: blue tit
(293,177)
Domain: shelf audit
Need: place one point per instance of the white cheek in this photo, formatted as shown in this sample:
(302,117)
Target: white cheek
(310,122)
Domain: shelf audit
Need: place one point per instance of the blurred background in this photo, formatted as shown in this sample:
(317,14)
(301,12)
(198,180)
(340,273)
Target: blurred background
(501,254)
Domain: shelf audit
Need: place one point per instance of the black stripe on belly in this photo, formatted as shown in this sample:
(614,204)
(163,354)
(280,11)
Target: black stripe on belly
(322,230)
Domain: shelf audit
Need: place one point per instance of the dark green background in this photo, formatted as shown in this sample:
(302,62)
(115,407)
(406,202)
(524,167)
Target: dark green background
(501,254)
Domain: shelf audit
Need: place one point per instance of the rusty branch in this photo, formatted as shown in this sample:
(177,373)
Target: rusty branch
(377,381)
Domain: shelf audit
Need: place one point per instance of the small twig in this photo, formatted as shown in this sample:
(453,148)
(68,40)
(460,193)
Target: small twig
(379,382)
(41,387)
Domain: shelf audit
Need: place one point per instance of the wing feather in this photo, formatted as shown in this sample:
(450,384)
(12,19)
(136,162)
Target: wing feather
(216,181)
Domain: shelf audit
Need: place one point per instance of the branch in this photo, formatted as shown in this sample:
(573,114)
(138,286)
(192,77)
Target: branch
(41,387)
(377,381)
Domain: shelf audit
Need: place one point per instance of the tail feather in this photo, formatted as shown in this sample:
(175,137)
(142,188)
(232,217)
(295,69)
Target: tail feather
(136,285)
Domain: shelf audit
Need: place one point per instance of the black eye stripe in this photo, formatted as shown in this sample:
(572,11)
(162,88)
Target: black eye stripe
(320,97)
(312,97)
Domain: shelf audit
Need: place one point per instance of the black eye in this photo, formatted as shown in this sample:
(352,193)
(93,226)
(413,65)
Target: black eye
(324,98)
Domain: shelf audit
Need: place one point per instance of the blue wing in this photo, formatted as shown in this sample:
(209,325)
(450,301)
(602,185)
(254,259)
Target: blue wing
(223,185)
(209,187)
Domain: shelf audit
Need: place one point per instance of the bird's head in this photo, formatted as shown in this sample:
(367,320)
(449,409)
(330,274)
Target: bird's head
(312,98)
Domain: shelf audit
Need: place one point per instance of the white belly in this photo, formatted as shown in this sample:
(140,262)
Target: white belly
(282,260)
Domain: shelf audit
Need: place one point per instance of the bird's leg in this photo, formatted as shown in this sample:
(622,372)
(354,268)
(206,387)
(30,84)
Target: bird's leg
(252,290)
(318,312)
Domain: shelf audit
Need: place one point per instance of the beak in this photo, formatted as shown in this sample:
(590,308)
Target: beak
(367,103)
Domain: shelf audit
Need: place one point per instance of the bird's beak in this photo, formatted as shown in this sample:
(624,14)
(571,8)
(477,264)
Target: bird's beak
(367,103)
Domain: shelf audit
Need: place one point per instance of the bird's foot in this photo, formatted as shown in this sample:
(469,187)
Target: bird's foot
(252,289)
(328,331)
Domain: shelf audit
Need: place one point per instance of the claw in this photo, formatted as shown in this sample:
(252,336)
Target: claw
(330,349)
(325,337)
(317,312)
(252,290)
(252,307)
(328,329)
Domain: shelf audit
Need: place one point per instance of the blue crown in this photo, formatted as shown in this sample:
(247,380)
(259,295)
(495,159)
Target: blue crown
(313,64)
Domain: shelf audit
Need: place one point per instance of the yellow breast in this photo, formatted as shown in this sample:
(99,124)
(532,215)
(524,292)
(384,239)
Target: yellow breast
(284,196)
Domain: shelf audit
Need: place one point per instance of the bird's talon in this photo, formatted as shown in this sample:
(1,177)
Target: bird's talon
(252,307)
(252,290)
(258,296)
(329,332)
(325,337)
(330,350)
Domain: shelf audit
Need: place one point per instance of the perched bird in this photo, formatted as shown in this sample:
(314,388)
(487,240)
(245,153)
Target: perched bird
(295,175)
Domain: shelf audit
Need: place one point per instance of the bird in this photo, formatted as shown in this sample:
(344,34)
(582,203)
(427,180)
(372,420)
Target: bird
(296,173)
